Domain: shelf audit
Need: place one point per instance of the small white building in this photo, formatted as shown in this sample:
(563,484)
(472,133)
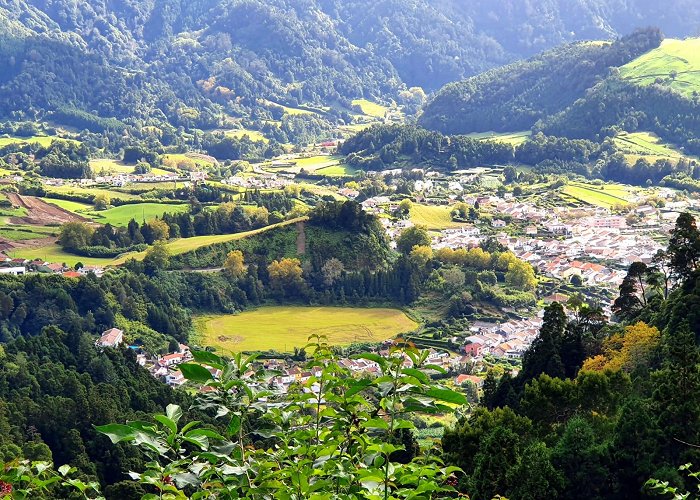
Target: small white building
(16,270)
(111,338)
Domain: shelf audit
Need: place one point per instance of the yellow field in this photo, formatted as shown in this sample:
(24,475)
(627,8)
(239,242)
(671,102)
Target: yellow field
(105,166)
(283,328)
(370,108)
(41,140)
(253,135)
(435,217)
(602,196)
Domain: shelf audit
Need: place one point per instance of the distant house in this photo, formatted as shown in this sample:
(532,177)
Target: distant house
(175,378)
(477,381)
(474,349)
(111,338)
(531,230)
(498,223)
(15,270)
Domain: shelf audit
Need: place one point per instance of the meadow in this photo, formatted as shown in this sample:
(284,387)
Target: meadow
(41,140)
(71,190)
(120,216)
(514,138)
(284,327)
(636,145)
(253,135)
(184,161)
(105,166)
(370,108)
(54,253)
(680,57)
(434,217)
(605,195)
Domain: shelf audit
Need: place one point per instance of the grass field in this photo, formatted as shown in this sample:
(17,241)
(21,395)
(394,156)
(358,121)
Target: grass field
(71,206)
(514,138)
(42,140)
(184,162)
(90,191)
(679,56)
(605,195)
(320,165)
(120,216)
(337,170)
(54,253)
(22,233)
(435,217)
(254,135)
(370,108)
(292,111)
(105,166)
(647,145)
(283,328)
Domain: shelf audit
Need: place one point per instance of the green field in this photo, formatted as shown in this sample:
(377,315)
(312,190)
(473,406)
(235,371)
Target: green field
(54,253)
(42,140)
(435,217)
(283,328)
(105,166)
(253,135)
(120,216)
(514,138)
(91,191)
(370,108)
(682,57)
(72,206)
(337,170)
(330,166)
(605,195)
(185,162)
(647,145)
(21,233)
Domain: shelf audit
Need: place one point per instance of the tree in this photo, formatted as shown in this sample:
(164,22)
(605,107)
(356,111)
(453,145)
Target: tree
(159,229)
(421,255)
(632,296)
(234,266)
(684,247)
(454,278)
(286,276)
(332,270)
(405,207)
(521,275)
(157,257)
(142,167)
(510,174)
(75,235)
(411,237)
(101,201)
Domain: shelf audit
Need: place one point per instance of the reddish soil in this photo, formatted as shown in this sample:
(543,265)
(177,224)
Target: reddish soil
(40,213)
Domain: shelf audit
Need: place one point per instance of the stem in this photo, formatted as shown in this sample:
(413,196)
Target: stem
(390,431)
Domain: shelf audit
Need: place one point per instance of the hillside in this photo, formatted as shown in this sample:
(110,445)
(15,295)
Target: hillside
(106,65)
(675,64)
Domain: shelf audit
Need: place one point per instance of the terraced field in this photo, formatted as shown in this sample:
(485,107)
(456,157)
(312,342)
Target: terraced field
(646,145)
(283,328)
(606,195)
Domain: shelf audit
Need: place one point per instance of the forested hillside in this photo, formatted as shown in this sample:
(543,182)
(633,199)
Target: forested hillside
(193,64)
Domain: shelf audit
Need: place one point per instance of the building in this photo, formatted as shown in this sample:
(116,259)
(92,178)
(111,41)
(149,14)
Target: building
(15,270)
(111,338)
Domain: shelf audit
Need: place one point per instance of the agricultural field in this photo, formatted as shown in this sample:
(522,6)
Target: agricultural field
(254,135)
(283,328)
(676,63)
(434,217)
(91,191)
(292,111)
(42,140)
(54,253)
(23,232)
(182,161)
(105,166)
(337,170)
(647,145)
(605,195)
(330,166)
(120,216)
(72,206)
(370,108)
(514,138)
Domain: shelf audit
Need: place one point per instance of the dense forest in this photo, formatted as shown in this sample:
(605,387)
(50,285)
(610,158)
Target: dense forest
(107,66)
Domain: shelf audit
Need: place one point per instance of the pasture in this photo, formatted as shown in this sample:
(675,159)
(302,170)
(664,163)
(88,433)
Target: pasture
(106,166)
(120,216)
(647,145)
(72,190)
(183,161)
(605,195)
(54,253)
(676,64)
(284,327)
(370,108)
(514,138)
(434,217)
(253,135)
(41,140)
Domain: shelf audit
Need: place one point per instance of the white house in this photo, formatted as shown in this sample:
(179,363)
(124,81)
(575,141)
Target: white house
(111,338)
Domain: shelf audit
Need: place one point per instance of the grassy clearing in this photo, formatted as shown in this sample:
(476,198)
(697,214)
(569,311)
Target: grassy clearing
(183,161)
(91,191)
(42,140)
(370,108)
(514,138)
(647,145)
(22,233)
(680,57)
(337,170)
(54,253)
(104,166)
(283,328)
(602,196)
(435,217)
(120,216)
(292,111)
(253,135)
(72,206)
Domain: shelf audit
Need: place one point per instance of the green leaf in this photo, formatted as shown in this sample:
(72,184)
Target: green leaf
(65,469)
(370,356)
(447,395)
(234,425)
(358,386)
(417,374)
(437,368)
(195,373)
(208,358)
(166,422)
(116,432)
(376,423)
(173,412)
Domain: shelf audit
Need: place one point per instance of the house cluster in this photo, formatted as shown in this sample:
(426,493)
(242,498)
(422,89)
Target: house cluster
(505,340)
(264,180)
(122,179)
(20,267)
